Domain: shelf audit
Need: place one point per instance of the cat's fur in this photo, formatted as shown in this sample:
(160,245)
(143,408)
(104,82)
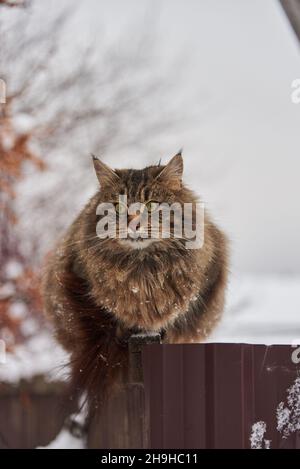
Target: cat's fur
(97,292)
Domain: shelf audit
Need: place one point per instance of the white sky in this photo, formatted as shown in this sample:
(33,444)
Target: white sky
(242,151)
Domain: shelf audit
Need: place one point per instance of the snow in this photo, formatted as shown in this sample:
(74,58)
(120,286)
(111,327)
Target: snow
(257,440)
(13,269)
(261,309)
(17,310)
(65,440)
(288,415)
(288,419)
(283,416)
(39,355)
(73,435)
(29,327)
(23,123)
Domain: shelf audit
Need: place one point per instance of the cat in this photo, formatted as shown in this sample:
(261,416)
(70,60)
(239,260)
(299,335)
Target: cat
(97,292)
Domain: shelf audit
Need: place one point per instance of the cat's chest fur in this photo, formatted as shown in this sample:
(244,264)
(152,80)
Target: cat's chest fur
(149,293)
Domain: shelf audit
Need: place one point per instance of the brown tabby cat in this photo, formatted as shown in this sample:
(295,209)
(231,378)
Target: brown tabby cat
(99,291)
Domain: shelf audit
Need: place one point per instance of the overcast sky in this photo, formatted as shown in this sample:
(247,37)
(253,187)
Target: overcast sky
(242,151)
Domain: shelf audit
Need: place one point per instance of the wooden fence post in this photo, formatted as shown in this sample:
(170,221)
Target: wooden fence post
(124,420)
(136,343)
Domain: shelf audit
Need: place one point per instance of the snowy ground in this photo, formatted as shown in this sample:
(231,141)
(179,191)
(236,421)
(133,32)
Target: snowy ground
(40,355)
(65,440)
(260,309)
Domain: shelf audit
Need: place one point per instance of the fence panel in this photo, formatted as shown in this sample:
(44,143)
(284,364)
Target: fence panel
(210,395)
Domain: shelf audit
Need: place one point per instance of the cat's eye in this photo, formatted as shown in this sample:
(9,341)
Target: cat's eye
(151,206)
(120,208)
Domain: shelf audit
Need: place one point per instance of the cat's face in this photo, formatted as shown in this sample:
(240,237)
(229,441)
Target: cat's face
(139,200)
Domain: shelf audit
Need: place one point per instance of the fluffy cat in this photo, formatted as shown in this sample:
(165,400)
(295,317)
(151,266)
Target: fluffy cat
(99,291)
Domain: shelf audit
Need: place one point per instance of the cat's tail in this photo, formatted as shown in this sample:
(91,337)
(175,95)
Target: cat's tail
(98,369)
(99,359)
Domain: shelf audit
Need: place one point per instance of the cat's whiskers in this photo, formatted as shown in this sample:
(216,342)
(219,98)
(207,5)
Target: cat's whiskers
(88,238)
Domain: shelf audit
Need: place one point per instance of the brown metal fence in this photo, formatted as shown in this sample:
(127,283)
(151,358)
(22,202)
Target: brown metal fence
(210,395)
(184,396)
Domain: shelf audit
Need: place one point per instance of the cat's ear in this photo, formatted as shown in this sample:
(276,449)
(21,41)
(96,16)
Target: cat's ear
(106,176)
(171,175)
